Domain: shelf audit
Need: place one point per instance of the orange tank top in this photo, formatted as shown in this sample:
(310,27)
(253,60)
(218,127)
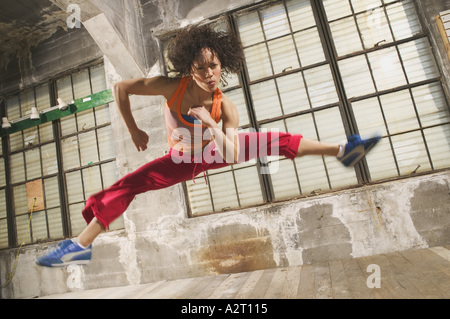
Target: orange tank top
(183,135)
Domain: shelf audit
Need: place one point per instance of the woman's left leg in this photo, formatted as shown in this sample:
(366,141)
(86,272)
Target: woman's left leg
(348,153)
(253,145)
(310,147)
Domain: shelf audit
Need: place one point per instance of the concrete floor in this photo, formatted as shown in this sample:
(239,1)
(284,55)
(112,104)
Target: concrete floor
(414,274)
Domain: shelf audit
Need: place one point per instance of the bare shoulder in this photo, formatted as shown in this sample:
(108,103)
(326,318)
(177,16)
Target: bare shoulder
(163,85)
(230,114)
(158,85)
(228,105)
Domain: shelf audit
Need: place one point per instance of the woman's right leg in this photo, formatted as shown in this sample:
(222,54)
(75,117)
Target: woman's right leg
(106,206)
(93,229)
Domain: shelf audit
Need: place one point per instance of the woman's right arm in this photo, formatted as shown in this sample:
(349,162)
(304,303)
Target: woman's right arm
(142,86)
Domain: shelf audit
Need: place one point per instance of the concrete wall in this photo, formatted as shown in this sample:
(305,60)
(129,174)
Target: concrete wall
(428,10)
(160,242)
(64,51)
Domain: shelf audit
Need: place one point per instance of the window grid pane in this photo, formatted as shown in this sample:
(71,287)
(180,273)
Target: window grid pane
(4,241)
(381,75)
(31,159)
(87,145)
(292,88)
(2,172)
(88,158)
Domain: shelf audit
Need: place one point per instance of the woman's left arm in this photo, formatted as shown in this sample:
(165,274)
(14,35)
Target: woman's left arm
(227,138)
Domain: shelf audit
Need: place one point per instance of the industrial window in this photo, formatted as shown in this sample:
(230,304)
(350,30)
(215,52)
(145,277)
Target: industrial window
(56,165)
(327,69)
(393,85)
(87,146)
(3,214)
(32,157)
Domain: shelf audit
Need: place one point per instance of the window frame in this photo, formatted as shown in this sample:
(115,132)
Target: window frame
(344,103)
(55,127)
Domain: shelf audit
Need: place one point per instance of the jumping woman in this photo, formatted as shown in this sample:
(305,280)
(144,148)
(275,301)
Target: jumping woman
(201,59)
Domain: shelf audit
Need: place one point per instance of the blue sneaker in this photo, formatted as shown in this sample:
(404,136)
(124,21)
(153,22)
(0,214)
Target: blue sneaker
(356,149)
(65,253)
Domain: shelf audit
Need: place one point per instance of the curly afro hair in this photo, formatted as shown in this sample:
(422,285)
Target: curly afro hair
(189,43)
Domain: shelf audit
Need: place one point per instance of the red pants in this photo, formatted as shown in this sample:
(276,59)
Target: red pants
(172,169)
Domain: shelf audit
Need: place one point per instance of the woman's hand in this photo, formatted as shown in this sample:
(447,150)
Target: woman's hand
(226,139)
(140,139)
(203,115)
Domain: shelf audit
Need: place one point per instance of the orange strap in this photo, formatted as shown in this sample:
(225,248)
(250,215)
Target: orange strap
(179,93)
(182,86)
(217,103)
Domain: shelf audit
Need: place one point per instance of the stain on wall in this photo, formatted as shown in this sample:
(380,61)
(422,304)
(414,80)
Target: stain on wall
(14,45)
(237,248)
(322,236)
(430,212)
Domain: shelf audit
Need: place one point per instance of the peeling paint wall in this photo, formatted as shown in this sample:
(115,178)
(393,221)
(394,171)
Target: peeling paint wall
(160,242)
(37,31)
(47,49)
(62,52)
(429,9)
(407,214)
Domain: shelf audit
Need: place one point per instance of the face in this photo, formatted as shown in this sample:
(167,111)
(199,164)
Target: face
(206,70)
